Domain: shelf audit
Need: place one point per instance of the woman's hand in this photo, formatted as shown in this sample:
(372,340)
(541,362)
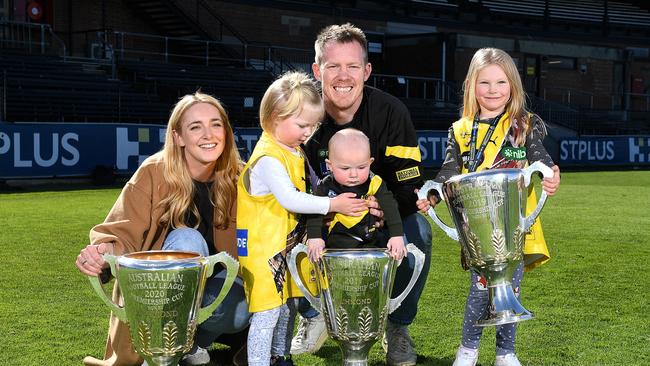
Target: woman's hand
(315,249)
(90,260)
(551,185)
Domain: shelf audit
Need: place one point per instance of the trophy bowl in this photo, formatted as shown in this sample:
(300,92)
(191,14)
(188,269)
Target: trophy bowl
(488,210)
(355,287)
(162,293)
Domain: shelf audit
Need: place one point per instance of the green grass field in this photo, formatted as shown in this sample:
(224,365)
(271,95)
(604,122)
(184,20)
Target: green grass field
(591,301)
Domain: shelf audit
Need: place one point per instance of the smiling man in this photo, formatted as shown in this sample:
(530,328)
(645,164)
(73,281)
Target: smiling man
(342,66)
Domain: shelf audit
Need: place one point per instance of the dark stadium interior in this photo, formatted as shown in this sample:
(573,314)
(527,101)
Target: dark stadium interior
(585,64)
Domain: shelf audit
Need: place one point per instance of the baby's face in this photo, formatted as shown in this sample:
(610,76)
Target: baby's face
(351,167)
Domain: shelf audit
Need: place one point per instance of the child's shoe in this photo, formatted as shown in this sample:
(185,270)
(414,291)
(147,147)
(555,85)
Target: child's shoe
(466,357)
(509,359)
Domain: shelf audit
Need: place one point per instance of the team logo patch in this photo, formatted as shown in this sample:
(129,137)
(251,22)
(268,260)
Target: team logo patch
(407,173)
(242,242)
(514,153)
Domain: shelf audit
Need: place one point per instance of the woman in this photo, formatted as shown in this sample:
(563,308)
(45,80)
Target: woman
(181,198)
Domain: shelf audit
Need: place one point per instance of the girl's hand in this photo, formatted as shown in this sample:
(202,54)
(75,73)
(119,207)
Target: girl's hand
(424,204)
(551,185)
(396,248)
(346,204)
(90,260)
(315,249)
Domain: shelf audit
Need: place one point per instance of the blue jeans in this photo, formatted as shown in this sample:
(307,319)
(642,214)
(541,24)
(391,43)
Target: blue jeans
(232,315)
(417,231)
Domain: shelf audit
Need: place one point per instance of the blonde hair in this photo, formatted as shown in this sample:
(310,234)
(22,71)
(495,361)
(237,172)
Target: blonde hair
(515,107)
(224,190)
(344,33)
(286,96)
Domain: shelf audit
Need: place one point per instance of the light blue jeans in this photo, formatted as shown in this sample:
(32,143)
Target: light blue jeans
(232,315)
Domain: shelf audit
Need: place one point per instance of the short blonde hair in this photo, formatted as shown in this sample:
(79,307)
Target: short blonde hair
(286,96)
(344,33)
(347,139)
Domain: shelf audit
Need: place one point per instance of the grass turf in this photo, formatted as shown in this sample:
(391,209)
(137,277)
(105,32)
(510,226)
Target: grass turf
(590,301)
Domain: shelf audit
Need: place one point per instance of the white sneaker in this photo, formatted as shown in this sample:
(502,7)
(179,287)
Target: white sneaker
(466,357)
(400,346)
(196,356)
(509,359)
(311,335)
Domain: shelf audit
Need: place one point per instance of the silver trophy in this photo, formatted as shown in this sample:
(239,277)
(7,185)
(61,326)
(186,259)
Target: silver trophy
(355,287)
(488,209)
(162,293)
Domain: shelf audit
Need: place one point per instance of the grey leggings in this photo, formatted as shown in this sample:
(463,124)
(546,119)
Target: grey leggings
(476,307)
(270,334)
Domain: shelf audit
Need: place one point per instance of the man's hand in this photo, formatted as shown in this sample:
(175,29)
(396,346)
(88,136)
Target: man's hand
(376,211)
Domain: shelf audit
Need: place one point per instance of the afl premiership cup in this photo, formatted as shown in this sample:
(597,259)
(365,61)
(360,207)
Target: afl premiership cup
(162,293)
(354,288)
(488,210)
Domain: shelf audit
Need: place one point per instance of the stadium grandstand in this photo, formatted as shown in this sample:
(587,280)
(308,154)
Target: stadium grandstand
(585,64)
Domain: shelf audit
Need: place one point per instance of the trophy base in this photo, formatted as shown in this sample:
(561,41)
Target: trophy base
(162,360)
(504,307)
(356,354)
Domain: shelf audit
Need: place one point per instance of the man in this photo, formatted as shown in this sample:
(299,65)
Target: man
(342,67)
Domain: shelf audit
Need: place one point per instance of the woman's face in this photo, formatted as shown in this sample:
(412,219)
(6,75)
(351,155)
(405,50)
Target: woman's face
(492,90)
(202,134)
(296,129)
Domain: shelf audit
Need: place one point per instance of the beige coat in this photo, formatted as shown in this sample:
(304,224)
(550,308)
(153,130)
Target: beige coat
(132,225)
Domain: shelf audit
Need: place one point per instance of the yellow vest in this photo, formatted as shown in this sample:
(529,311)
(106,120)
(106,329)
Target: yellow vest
(263,227)
(350,221)
(535,249)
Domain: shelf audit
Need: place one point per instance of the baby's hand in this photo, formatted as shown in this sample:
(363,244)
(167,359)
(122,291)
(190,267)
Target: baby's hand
(346,204)
(315,248)
(396,248)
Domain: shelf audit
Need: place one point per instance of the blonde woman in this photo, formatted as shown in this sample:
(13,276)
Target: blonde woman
(181,198)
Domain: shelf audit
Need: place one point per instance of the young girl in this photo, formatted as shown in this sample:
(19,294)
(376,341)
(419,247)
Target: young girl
(271,196)
(181,198)
(495,131)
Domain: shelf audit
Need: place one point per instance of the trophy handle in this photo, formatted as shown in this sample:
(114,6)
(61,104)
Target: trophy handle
(547,172)
(295,274)
(419,263)
(119,311)
(423,193)
(232,266)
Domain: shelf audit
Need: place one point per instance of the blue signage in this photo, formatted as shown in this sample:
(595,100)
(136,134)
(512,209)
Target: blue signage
(605,151)
(30,150)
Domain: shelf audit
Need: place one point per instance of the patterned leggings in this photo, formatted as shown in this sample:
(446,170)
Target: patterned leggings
(475,309)
(270,334)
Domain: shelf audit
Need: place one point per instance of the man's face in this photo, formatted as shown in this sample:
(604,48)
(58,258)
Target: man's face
(342,73)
